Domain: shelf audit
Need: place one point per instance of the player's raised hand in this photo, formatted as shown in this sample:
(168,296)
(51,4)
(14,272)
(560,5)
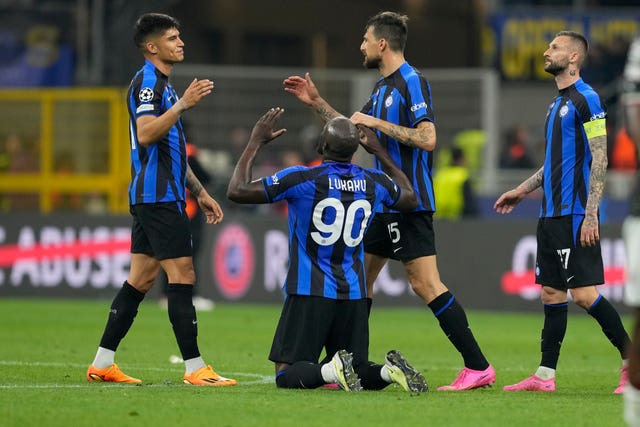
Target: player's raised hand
(197,90)
(263,131)
(303,88)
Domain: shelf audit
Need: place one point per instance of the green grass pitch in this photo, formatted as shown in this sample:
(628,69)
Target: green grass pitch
(46,345)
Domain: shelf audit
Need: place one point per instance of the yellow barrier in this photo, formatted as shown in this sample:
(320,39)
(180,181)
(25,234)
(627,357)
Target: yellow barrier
(57,143)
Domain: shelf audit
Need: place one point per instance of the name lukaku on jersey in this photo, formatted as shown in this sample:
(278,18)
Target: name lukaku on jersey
(352,185)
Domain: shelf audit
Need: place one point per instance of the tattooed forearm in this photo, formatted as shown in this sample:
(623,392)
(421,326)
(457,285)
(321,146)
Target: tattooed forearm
(193,184)
(325,111)
(598,147)
(533,182)
(423,137)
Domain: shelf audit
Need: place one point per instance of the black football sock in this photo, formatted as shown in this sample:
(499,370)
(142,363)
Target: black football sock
(300,375)
(453,322)
(609,320)
(183,319)
(369,374)
(553,331)
(123,310)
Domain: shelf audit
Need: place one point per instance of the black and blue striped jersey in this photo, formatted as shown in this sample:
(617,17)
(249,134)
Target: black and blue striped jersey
(329,208)
(567,164)
(158,171)
(404,98)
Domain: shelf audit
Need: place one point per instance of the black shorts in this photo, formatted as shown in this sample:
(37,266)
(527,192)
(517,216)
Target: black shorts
(161,230)
(401,236)
(561,261)
(309,323)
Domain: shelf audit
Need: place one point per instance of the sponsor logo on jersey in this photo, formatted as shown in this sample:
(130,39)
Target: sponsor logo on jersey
(416,107)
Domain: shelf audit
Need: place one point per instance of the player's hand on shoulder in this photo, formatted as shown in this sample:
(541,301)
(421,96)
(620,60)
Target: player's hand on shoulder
(263,129)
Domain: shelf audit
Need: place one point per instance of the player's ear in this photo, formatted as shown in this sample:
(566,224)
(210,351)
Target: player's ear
(151,47)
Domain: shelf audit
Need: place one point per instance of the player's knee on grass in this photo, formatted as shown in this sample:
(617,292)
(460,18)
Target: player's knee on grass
(300,375)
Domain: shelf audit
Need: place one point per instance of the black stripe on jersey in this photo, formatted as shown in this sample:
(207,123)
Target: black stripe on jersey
(294,263)
(579,183)
(544,195)
(556,158)
(312,248)
(338,252)
(164,156)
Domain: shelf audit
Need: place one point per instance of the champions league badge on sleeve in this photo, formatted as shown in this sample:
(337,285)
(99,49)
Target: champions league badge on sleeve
(146,94)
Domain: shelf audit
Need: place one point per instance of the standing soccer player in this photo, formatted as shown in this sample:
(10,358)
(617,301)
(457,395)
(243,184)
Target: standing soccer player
(160,235)
(568,234)
(401,112)
(329,207)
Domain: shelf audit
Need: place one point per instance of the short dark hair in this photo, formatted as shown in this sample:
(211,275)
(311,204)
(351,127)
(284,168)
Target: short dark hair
(580,39)
(152,24)
(392,27)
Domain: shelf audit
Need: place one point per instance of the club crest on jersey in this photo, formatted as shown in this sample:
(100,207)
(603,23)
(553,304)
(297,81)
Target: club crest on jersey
(146,94)
(389,101)
(564,110)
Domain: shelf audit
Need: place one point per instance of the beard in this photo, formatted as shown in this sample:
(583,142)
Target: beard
(555,68)
(371,63)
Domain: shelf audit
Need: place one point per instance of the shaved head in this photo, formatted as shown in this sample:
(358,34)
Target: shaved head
(339,139)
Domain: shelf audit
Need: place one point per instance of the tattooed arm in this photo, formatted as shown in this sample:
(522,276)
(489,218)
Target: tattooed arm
(209,206)
(507,201)
(590,233)
(305,90)
(193,183)
(423,136)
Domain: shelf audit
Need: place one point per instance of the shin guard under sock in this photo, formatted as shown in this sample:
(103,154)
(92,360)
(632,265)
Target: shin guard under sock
(609,320)
(553,331)
(453,322)
(183,319)
(123,310)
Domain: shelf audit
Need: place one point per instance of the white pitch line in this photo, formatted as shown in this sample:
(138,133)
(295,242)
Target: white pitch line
(260,378)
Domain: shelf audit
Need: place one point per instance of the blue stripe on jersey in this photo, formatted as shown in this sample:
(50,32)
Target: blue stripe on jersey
(577,220)
(329,208)
(567,165)
(158,171)
(404,98)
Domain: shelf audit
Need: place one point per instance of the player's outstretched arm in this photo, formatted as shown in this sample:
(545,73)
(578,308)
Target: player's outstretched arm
(305,90)
(241,188)
(423,136)
(507,201)
(151,129)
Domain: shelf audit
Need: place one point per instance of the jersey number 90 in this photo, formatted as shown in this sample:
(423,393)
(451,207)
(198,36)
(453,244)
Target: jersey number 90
(343,224)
